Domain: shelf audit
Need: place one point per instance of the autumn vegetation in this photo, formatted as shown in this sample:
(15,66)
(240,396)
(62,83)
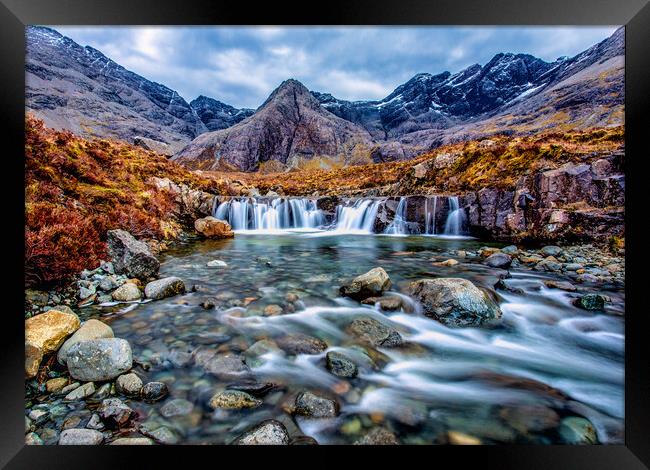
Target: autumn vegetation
(77,189)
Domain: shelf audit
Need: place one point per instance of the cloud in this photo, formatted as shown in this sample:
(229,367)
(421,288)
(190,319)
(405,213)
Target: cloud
(242,65)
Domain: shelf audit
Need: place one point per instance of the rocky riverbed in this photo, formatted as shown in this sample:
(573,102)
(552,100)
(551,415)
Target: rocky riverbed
(324,339)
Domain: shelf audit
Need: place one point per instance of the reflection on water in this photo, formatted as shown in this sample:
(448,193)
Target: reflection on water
(545,351)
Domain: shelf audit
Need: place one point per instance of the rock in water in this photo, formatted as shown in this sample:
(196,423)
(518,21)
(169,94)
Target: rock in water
(269,432)
(127,292)
(299,343)
(378,437)
(338,364)
(77,437)
(233,400)
(371,284)
(130,256)
(44,334)
(454,301)
(129,385)
(375,333)
(227,366)
(313,406)
(115,413)
(591,302)
(154,391)
(132,441)
(176,407)
(165,287)
(499,260)
(575,430)
(211,227)
(91,329)
(99,359)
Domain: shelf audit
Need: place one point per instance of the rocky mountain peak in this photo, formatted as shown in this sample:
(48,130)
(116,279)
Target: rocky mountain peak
(291,93)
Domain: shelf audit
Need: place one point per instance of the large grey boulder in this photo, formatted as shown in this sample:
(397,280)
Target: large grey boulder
(99,359)
(371,284)
(91,329)
(165,287)
(454,301)
(130,256)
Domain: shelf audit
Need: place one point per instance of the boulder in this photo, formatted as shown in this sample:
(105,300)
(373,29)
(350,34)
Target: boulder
(77,437)
(127,292)
(211,227)
(371,284)
(91,329)
(233,400)
(269,432)
(499,260)
(130,256)
(44,334)
(454,301)
(99,359)
(313,406)
(165,287)
(375,333)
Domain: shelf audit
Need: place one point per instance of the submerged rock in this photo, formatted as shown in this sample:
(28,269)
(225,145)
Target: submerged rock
(313,406)
(130,256)
(227,366)
(371,284)
(378,437)
(233,400)
(299,343)
(375,333)
(499,260)
(91,329)
(454,301)
(176,407)
(211,227)
(269,432)
(575,430)
(154,391)
(339,365)
(165,287)
(99,359)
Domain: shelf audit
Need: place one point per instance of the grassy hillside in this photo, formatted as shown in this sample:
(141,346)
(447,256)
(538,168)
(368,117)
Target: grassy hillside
(77,189)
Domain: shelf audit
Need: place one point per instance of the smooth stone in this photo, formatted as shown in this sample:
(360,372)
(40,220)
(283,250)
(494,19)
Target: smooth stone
(81,392)
(227,366)
(461,439)
(114,412)
(132,441)
(454,301)
(530,418)
(303,441)
(233,400)
(591,302)
(375,333)
(69,388)
(551,250)
(80,437)
(377,437)
(127,292)
(165,287)
(154,391)
(499,260)
(211,227)
(44,334)
(549,264)
(129,384)
(371,284)
(91,329)
(562,285)
(55,385)
(341,366)
(313,406)
(99,359)
(509,250)
(176,407)
(269,432)
(575,430)
(298,343)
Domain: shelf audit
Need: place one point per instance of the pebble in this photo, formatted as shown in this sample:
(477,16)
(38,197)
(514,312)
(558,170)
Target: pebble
(81,392)
(233,399)
(80,437)
(154,391)
(129,384)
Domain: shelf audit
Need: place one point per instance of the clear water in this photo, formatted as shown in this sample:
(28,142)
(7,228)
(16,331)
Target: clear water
(545,351)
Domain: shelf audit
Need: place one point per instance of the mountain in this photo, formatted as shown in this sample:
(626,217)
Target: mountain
(217,115)
(80,89)
(289,128)
(507,82)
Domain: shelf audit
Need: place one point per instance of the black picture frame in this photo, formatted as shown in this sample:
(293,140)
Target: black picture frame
(634,14)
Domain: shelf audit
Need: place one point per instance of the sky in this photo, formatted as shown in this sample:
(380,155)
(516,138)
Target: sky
(241,66)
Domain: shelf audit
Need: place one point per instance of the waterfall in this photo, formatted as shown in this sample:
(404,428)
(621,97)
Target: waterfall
(455,218)
(359,217)
(275,214)
(399,224)
(430,216)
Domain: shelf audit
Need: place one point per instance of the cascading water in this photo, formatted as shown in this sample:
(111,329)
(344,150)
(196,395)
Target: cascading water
(430,215)
(274,214)
(399,225)
(359,217)
(455,219)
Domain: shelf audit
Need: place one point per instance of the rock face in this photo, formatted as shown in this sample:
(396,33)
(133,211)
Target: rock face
(269,432)
(165,287)
(80,89)
(99,359)
(90,329)
(211,227)
(371,284)
(130,256)
(454,301)
(217,115)
(44,334)
(291,126)
(191,204)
